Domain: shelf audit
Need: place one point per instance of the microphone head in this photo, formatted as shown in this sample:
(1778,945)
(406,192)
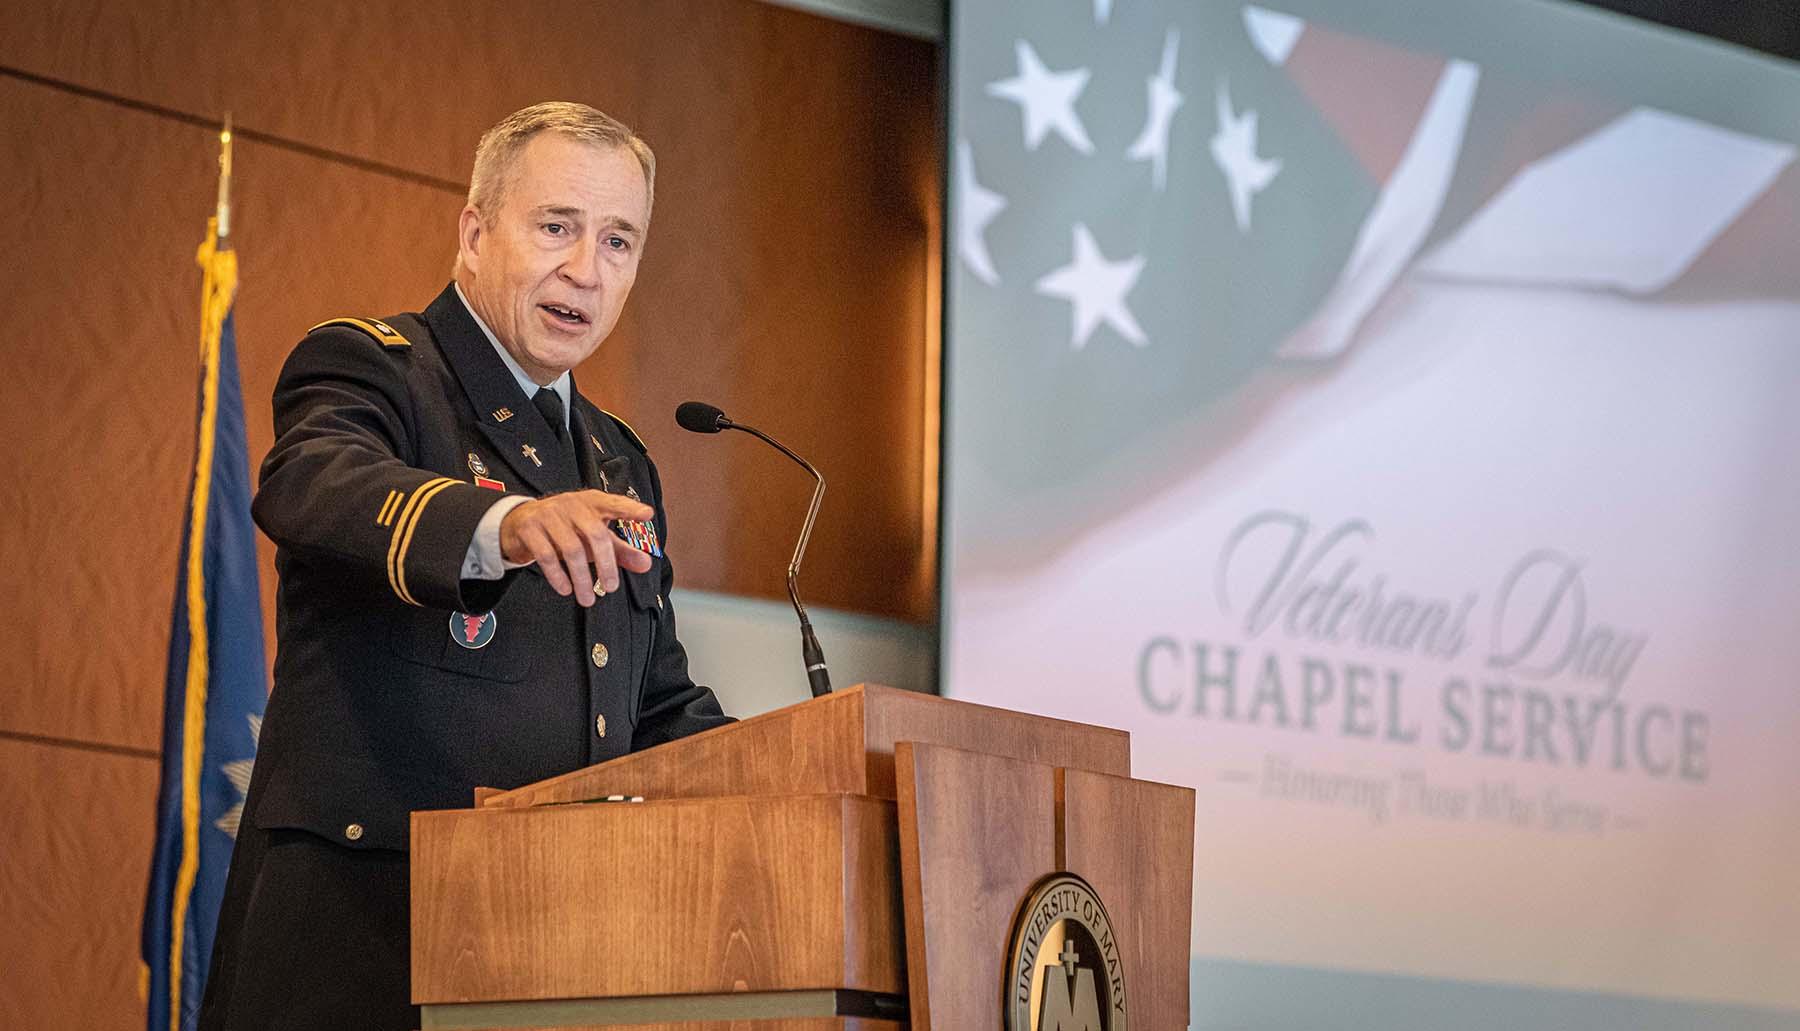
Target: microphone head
(700,417)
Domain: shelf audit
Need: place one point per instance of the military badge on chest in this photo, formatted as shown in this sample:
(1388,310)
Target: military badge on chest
(615,478)
(473,631)
(479,469)
(640,535)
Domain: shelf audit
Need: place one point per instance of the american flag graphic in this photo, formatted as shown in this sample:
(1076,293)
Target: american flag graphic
(1162,214)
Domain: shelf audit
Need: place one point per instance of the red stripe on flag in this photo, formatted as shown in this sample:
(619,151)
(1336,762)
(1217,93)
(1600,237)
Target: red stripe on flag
(1373,94)
(1758,255)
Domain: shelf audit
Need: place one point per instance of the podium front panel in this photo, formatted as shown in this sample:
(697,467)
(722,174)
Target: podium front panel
(1133,840)
(977,831)
(675,898)
(980,834)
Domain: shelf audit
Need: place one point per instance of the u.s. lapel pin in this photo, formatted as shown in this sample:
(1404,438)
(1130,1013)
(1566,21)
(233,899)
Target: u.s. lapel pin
(502,414)
(530,452)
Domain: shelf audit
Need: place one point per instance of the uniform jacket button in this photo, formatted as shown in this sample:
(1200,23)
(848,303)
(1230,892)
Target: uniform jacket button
(600,725)
(354,832)
(600,655)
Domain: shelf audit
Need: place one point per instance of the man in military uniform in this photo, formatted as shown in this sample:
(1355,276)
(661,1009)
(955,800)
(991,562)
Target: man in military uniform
(473,591)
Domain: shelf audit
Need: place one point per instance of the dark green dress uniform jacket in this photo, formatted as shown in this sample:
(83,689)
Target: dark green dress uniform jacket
(369,494)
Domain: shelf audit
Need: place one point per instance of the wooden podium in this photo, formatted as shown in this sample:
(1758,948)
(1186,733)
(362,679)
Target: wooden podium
(856,862)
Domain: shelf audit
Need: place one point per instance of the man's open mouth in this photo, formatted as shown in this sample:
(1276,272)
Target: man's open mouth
(562,314)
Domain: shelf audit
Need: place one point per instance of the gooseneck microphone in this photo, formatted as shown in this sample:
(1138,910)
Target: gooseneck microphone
(700,417)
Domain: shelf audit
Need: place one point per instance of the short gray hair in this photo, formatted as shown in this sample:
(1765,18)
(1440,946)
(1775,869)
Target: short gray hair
(498,152)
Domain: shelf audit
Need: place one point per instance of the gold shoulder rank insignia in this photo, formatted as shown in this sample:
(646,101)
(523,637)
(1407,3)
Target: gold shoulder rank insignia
(384,334)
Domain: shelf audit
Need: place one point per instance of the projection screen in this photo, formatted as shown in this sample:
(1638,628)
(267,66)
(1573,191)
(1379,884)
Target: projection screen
(1385,412)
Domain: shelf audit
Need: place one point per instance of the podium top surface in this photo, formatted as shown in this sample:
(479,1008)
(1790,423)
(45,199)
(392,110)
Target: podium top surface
(843,742)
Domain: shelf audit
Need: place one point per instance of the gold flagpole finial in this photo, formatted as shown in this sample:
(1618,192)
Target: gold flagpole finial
(225,178)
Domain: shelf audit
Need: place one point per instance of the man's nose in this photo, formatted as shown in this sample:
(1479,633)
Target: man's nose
(582,269)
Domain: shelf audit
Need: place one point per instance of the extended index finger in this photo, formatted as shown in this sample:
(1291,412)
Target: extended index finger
(616,506)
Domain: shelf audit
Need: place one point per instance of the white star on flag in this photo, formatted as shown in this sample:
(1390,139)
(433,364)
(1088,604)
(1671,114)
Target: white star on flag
(1097,288)
(1046,99)
(976,206)
(237,772)
(1163,100)
(1234,151)
(1273,33)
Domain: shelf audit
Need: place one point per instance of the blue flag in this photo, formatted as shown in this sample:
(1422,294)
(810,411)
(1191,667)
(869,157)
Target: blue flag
(217,681)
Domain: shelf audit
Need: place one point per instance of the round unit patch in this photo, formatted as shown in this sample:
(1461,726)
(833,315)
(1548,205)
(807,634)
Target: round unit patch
(472,631)
(1065,970)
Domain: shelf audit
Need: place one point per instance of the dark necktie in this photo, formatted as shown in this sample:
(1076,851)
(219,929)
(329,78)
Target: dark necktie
(549,404)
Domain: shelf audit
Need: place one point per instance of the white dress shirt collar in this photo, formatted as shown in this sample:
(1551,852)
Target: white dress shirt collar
(530,387)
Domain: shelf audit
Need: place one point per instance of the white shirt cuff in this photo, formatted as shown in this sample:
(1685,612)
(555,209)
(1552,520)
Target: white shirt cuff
(483,561)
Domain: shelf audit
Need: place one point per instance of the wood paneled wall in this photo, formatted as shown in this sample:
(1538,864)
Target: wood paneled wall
(788,278)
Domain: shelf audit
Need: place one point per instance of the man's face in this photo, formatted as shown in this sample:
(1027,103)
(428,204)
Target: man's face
(550,270)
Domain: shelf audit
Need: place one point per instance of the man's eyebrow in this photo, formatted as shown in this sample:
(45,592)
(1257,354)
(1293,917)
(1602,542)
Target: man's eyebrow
(558,210)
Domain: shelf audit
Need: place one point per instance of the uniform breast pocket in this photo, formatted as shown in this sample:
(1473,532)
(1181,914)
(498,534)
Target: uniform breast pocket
(646,627)
(474,645)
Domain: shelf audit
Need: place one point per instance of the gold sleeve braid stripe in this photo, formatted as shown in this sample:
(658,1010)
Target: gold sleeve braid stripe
(387,507)
(406,542)
(403,530)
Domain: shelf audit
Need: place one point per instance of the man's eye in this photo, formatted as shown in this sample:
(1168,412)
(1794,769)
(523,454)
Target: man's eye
(556,229)
(618,243)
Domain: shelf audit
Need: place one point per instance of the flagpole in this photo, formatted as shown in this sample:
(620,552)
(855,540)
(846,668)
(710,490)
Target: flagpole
(225,179)
(218,288)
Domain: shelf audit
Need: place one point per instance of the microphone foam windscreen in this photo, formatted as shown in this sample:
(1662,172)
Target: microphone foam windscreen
(699,417)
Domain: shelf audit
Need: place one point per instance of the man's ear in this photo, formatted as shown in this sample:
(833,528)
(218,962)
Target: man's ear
(469,232)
